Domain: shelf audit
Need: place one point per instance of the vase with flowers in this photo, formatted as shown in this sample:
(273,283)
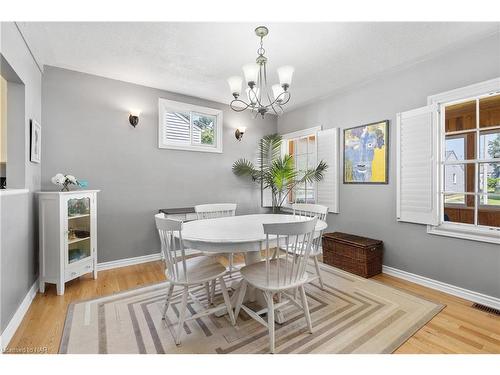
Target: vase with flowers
(64,180)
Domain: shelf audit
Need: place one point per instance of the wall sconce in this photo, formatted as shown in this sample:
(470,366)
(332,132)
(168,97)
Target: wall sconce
(239,133)
(133,118)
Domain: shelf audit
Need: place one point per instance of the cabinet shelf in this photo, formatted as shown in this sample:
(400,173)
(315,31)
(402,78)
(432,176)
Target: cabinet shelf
(75,240)
(78,216)
(76,260)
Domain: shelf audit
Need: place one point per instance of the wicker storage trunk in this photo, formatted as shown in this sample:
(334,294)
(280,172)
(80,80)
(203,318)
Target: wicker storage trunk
(359,255)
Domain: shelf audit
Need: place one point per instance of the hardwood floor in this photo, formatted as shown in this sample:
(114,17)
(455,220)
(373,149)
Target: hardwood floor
(456,329)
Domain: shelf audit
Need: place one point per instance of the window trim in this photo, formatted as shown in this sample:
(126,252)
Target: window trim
(465,231)
(165,105)
(459,230)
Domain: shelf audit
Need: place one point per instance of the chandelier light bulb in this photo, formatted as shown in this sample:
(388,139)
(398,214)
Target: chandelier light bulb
(235,85)
(285,74)
(251,72)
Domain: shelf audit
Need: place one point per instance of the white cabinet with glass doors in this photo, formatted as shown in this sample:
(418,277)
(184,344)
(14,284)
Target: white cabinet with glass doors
(68,236)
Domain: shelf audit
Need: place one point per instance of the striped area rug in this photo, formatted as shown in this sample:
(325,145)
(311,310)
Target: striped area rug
(351,315)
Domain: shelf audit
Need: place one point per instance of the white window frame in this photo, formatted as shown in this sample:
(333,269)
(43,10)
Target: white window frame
(165,105)
(296,135)
(461,230)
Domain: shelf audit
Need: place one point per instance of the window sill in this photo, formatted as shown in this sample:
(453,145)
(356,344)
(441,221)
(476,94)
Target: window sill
(4,192)
(459,231)
(191,148)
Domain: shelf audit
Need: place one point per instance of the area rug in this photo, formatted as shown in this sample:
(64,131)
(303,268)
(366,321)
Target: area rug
(351,315)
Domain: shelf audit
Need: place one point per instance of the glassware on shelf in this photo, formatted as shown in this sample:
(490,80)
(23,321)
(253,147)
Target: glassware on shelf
(74,233)
(79,233)
(74,255)
(71,234)
(77,254)
(78,207)
(78,251)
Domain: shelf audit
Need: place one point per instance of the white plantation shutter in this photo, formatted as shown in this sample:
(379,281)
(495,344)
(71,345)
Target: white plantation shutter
(417,166)
(328,151)
(176,127)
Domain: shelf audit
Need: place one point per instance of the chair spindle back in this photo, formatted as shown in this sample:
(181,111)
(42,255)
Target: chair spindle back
(212,211)
(312,210)
(172,247)
(297,237)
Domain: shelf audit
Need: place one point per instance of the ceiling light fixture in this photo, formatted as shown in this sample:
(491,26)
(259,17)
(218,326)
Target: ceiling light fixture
(261,98)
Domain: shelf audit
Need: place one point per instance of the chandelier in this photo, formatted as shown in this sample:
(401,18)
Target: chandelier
(259,97)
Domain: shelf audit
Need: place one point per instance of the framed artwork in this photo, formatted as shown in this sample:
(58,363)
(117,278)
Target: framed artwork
(36,142)
(366,154)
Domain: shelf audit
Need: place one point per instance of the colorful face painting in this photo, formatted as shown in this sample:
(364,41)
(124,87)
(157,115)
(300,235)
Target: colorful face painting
(366,154)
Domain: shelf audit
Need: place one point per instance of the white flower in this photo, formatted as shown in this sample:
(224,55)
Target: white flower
(71,179)
(58,179)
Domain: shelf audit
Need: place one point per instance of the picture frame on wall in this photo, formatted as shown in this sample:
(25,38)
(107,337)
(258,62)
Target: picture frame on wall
(366,154)
(35,141)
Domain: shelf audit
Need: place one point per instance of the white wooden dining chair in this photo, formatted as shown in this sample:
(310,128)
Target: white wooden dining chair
(319,211)
(280,275)
(213,211)
(187,273)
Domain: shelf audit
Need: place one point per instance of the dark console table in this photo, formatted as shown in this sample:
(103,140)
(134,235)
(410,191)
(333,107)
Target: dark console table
(183,213)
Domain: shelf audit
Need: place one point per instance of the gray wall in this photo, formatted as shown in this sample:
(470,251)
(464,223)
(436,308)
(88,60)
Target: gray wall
(86,133)
(370,210)
(19,256)
(18,235)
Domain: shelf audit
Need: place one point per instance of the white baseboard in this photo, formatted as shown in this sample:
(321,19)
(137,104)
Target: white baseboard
(128,262)
(136,260)
(16,320)
(469,295)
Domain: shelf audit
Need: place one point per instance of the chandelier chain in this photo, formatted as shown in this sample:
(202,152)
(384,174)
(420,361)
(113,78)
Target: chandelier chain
(261,51)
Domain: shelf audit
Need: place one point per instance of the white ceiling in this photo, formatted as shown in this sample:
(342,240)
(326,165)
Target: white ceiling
(196,58)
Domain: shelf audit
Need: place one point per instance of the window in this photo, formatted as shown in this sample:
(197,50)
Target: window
(471,136)
(307,147)
(448,165)
(303,152)
(188,127)
(301,146)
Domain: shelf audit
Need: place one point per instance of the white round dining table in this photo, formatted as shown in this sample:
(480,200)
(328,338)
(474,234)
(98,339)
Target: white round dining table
(238,234)
(235,234)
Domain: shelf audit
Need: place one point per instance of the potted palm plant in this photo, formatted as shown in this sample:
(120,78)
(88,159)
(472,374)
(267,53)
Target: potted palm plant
(276,171)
